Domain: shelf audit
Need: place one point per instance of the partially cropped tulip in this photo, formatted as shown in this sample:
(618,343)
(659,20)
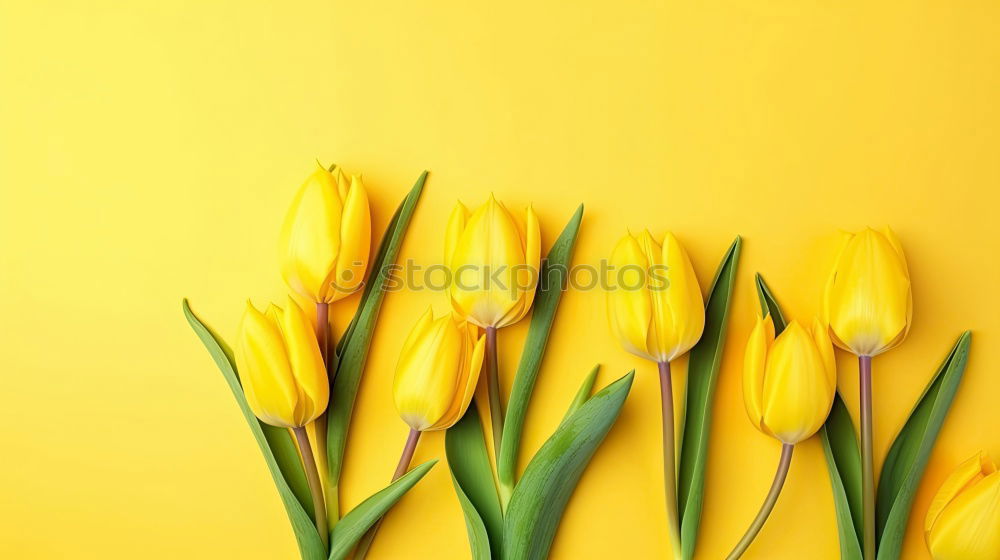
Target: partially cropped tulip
(656,311)
(655,308)
(788,387)
(868,303)
(284,379)
(437,372)
(326,237)
(494,263)
(280,366)
(789,381)
(435,379)
(963,521)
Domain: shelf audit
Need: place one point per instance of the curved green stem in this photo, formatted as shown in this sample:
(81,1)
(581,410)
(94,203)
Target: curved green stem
(765,509)
(315,486)
(669,461)
(404,463)
(867,457)
(493,385)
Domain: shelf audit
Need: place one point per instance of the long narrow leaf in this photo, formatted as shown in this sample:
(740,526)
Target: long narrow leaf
(908,455)
(352,527)
(552,281)
(703,371)
(465,447)
(583,393)
(843,461)
(840,446)
(540,497)
(275,444)
(479,539)
(353,346)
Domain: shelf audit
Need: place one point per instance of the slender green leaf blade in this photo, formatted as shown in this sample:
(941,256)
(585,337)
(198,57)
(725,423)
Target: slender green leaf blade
(353,526)
(551,284)
(275,444)
(703,371)
(583,393)
(769,305)
(469,461)
(540,497)
(843,461)
(479,540)
(904,465)
(353,346)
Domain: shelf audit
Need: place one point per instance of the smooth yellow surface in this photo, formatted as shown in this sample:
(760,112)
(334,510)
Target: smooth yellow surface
(149,150)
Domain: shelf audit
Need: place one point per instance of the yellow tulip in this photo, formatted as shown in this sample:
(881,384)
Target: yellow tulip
(280,366)
(494,263)
(868,303)
(326,237)
(963,521)
(789,382)
(655,306)
(437,372)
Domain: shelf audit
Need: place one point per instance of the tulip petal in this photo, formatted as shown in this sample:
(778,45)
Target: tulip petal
(469,370)
(630,311)
(528,275)
(306,362)
(264,370)
(821,337)
(356,240)
(968,528)
(426,376)
(970,472)
(754,362)
(683,298)
(456,225)
(309,241)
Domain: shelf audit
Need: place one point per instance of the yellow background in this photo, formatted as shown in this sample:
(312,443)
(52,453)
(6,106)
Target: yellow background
(149,150)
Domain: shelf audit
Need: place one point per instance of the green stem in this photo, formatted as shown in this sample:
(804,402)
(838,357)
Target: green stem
(867,457)
(404,463)
(765,509)
(669,462)
(493,384)
(330,488)
(315,486)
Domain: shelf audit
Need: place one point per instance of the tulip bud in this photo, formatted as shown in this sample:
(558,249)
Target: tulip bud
(280,366)
(437,372)
(494,264)
(789,382)
(655,306)
(963,521)
(326,237)
(868,303)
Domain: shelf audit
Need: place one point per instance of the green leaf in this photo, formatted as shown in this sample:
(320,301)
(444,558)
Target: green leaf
(769,305)
(540,497)
(552,280)
(907,458)
(353,526)
(583,393)
(275,444)
(843,461)
(479,540)
(352,349)
(840,446)
(465,447)
(703,371)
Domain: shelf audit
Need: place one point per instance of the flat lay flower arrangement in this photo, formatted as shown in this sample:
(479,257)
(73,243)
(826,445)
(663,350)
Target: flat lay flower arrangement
(296,384)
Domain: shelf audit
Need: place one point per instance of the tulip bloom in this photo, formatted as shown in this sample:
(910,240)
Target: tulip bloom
(789,381)
(284,379)
(435,379)
(326,236)
(657,312)
(963,521)
(869,306)
(788,387)
(494,265)
(437,372)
